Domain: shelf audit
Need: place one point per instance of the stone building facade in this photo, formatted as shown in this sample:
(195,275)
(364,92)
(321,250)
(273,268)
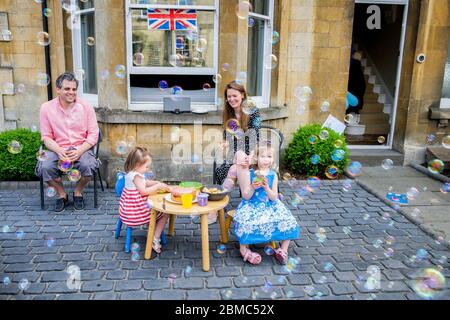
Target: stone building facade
(315,41)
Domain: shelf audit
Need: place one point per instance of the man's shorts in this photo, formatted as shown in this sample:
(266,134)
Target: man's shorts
(48,168)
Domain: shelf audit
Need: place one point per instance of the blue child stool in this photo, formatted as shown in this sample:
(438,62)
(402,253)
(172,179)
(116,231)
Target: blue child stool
(120,184)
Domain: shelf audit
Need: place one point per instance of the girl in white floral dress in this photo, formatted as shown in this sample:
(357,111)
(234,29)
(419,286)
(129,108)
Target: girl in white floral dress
(261,217)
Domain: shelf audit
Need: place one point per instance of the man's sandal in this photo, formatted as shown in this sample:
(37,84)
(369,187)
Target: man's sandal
(251,257)
(281,256)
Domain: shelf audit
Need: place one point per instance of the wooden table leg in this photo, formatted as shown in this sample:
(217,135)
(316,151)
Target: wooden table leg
(223,231)
(150,235)
(172,225)
(205,242)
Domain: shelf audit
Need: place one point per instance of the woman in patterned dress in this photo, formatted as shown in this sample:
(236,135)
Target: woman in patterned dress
(235,95)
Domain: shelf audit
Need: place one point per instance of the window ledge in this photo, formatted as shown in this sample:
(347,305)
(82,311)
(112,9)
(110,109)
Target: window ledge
(158,117)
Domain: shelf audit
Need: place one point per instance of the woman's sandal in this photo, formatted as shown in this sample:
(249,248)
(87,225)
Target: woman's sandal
(252,257)
(281,256)
(156,245)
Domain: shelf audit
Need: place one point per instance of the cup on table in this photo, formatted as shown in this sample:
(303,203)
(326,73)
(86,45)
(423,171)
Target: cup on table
(186,200)
(202,199)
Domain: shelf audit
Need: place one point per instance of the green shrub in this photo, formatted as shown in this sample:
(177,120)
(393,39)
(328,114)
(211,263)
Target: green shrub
(300,150)
(20,166)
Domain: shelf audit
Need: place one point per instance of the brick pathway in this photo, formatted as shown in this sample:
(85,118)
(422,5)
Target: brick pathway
(359,229)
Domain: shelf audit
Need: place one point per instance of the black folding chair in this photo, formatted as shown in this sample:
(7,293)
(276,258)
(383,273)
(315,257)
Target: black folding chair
(264,129)
(97,171)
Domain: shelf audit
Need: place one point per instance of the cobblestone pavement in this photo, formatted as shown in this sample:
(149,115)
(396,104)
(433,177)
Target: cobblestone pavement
(360,235)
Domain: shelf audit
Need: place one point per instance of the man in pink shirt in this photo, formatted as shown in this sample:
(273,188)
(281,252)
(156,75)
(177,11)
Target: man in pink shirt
(69,130)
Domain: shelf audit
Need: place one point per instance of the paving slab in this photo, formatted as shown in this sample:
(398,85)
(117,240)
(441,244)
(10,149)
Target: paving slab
(109,273)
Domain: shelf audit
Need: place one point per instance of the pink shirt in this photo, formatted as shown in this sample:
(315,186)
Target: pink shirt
(71,127)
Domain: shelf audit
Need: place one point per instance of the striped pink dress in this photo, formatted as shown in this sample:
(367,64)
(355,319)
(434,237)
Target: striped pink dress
(134,209)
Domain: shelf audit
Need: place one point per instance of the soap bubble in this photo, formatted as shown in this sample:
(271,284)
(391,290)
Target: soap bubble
(324,134)
(270,61)
(354,169)
(412,193)
(5,229)
(347,185)
(446,142)
(381,139)
(429,284)
(6,281)
(65,165)
(332,172)
(221,248)
(49,241)
(275,37)
(50,192)
(415,212)
(163,85)
(249,106)
(389,252)
(206,87)
(104,74)
(313,139)
(176,90)
(436,166)
(47,12)
(138,58)
(349,118)
(421,254)
(347,230)
(121,147)
(225,67)
(338,144)
(445,187)
(315,159)
(43,38)
(80,75)
(321,235)
(74,175)
(14,147)
(287,176)
(90,41)
(338,155)
(387,164)
(377,243)
(325,106)
(268,250)
(430,138)
(24,284)
(328,266)
(120,71)
(20,88)
(217,78)
(42,79)
(177,60)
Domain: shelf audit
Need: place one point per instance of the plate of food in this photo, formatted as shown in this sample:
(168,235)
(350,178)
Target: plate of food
(215,193)
(175,195)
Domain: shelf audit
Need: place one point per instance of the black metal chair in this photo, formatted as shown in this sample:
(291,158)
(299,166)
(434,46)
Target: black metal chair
(96,172)
(272,130)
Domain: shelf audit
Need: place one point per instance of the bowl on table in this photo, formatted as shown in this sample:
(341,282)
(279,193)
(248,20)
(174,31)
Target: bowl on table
(215,192)
(191,184)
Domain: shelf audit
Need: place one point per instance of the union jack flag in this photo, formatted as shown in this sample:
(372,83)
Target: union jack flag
(171,19)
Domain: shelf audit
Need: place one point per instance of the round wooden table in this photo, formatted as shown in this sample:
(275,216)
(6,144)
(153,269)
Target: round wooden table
(177,209)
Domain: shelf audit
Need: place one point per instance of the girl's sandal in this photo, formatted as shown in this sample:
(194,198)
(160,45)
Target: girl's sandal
(252,257)
(156,245)
(281,256)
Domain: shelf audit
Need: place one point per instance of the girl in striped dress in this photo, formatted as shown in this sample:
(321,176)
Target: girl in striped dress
(134,209)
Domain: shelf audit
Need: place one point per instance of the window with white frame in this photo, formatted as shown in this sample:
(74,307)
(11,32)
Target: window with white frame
(172,44)
(83,47)
(445,101)
(259,50)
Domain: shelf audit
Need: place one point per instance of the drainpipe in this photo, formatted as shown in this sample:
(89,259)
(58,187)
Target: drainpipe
(48,69)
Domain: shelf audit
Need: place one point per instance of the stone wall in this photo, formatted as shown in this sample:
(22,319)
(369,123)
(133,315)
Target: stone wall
(427,78)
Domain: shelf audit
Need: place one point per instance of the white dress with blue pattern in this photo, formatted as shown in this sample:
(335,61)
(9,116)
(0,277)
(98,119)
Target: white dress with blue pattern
(261,220)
